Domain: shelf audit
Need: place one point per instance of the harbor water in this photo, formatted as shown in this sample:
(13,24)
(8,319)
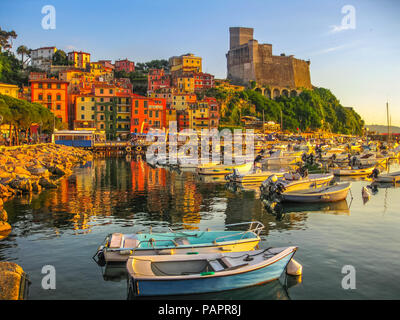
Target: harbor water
(63,228)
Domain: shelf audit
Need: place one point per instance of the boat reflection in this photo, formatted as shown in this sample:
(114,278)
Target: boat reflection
(273,290)
(282,209)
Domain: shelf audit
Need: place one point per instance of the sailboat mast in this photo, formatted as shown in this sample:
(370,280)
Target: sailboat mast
(388,125)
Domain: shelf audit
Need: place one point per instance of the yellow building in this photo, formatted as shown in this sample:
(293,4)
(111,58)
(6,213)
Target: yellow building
(123,104)
(199,115)
(80,59)
(185,84)
(9,89)
(85,111)
(185,63)
(98,70)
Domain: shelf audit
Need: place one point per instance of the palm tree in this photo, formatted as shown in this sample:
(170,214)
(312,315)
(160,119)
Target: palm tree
(24,51)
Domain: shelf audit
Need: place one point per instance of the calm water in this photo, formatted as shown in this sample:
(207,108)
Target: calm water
(64,227)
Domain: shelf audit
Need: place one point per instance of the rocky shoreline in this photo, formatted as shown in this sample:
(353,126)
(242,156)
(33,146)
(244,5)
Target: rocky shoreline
(23,170)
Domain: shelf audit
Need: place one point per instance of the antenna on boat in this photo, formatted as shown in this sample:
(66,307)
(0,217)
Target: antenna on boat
(388,124)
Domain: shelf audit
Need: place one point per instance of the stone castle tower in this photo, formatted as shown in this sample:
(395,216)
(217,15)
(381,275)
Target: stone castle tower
(248,60)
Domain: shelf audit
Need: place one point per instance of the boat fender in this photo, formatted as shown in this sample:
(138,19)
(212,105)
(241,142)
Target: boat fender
(128,149)
(125,252)
(294,268)
(138,148)
(101,260)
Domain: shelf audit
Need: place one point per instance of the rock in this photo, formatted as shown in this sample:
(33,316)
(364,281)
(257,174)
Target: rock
(56,170)
(13,281)
(1,201)
(3,215)
(23,185)
(45,183)
(22,171)
(4,234)
(4,226)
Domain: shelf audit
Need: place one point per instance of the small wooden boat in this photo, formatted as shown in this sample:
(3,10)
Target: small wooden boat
(117,247)
(254,177)
(224,169)
(393,177)
(203,273)
(333,193)
(353,171)
(294,181)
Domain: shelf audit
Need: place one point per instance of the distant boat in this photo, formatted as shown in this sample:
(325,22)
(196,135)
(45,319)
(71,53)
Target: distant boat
(117,247)
(162,275)
(333,193)
(392,177)
(254,177)
(222,169)
(353,171)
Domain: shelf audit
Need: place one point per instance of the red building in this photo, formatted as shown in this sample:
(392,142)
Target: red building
(125,65)
(203,80)
(147,113)
(157,79)
(213,112)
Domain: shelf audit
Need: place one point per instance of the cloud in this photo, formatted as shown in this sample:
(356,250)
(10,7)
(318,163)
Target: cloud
(332,49)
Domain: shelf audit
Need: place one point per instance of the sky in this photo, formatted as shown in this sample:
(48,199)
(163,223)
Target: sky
(354,53)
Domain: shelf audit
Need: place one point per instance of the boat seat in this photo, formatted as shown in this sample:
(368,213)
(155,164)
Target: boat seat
(182,241)
(216,265)
(228,262)
(131,243)
(116,240)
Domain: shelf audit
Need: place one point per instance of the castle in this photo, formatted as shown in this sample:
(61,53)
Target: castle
(247,60)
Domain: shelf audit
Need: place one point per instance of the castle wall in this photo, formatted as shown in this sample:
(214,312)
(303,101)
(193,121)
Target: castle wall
(247,61)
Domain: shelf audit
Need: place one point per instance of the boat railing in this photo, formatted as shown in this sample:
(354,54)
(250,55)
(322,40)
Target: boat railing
(255,227)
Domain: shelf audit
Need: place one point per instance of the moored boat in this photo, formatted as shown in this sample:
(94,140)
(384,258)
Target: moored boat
(222,169)
(294,181)
(202,273)
(332,193)
(393,177)
(353,171)
(117,247)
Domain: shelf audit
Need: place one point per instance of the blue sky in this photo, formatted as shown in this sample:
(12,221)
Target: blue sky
(361,66)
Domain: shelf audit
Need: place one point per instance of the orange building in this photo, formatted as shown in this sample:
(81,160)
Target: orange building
(52,94)
(147,113)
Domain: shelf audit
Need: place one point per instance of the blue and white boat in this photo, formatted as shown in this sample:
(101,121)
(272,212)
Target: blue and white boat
(203,273)
(117,247)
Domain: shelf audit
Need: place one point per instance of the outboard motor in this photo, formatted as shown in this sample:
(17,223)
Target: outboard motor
(374,174)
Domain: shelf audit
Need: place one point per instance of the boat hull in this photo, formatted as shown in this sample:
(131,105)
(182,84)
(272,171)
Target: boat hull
(332,196)
(123,256)
(209,284)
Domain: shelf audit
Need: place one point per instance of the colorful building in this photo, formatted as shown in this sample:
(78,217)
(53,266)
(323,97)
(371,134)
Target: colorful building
(52,94)
(147,113)
(204,114)
(157,79)
(80,59)
(42,58)
(185,63)
(125,65)
(9,90)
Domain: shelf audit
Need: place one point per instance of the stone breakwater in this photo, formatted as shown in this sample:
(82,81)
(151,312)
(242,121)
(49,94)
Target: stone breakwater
(31,168)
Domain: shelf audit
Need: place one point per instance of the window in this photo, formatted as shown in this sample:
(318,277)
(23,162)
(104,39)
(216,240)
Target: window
(92,108)
(58,107)
(111,91)
(49,86)
(102,126)
(136,111)
(101,117)
(40,85)
(92,116)
(83,117)
(83,108)
(102,100)
(40,97)
(145,104)
(58,97)
(49,97)
(58,86)
(136,104)
(101,91)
